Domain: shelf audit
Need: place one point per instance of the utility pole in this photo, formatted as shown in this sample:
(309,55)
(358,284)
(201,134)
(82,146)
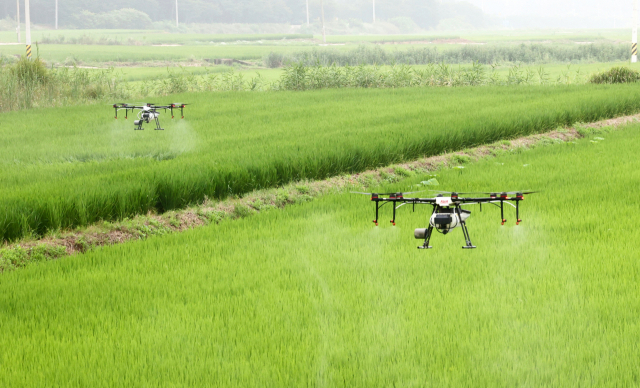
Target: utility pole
(27,21)
(176,13)
(18,18)
(324,37)
(307,13)
(56,14)
(374,11)
(634,33)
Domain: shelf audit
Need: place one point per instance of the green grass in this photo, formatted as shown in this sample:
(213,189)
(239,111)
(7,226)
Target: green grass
(314,295)
(160,37)
(73,166)
(64,53)
(579,72)
(497,36)
(147,36)
(151,73)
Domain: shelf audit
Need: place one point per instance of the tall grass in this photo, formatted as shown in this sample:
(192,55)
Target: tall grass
(68,86)
(315,295)
(484,54)
(74,166)
(28,84)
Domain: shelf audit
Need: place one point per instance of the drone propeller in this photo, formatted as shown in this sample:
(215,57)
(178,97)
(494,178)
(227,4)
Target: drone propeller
(488,193)
(454,192)
(394,193)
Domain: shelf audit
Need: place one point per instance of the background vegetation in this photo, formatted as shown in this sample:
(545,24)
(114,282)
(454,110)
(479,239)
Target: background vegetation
(115,14)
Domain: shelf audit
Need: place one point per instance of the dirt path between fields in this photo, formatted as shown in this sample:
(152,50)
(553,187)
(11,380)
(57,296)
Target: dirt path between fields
(71,242)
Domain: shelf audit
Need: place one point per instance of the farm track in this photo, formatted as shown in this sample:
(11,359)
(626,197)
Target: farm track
(72,242)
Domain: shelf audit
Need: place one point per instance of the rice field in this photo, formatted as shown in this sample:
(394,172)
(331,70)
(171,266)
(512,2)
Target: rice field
(576,73)
(314,295)
(485,36)
(124,37)
(72,166)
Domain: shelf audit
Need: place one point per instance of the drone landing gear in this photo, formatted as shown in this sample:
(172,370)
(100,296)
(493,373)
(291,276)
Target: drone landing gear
(465,231)
(467,239)
(427,238)
(158,125)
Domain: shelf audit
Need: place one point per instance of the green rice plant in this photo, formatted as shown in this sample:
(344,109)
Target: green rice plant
(72,169)
(73,166)
(315,295)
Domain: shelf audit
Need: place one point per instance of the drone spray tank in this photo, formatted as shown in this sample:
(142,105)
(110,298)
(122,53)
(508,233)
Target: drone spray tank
(146,115)
(445,217)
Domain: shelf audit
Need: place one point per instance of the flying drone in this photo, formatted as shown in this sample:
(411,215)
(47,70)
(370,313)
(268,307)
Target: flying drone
(147,113)
(447,212)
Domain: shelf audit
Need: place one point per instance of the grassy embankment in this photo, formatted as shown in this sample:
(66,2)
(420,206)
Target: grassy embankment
(314,295)
(74,166)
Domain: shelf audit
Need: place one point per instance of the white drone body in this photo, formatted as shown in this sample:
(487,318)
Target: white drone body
(447,218)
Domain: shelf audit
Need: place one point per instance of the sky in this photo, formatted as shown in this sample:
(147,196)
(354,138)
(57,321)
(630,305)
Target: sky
(621,10)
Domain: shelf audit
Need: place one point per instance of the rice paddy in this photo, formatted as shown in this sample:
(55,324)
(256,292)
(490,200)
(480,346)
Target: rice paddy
(314,295)
(73,166)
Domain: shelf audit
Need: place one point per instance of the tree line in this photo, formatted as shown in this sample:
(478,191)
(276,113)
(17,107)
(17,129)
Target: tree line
(116,13)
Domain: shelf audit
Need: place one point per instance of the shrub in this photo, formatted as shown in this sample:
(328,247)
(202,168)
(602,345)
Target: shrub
(30,72)
(616,75)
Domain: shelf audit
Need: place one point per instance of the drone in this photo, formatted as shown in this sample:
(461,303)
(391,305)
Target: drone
(147,113)
(447,212)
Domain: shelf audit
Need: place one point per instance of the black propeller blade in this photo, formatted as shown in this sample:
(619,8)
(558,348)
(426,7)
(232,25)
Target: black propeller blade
(488,193)
(394,193)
